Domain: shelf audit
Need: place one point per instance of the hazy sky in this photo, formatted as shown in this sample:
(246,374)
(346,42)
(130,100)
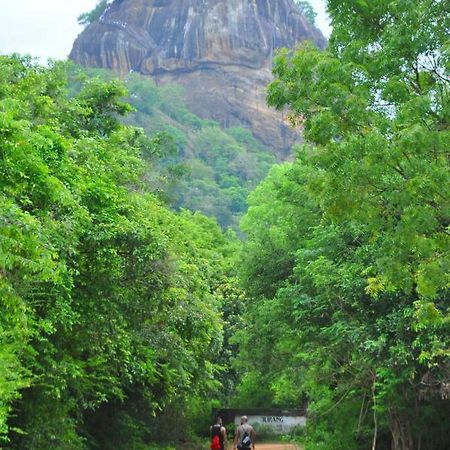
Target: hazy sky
(47,28)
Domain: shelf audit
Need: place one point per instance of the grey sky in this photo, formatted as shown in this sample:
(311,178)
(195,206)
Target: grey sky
(47,28)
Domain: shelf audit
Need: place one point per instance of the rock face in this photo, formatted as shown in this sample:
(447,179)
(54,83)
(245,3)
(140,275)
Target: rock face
(219,50)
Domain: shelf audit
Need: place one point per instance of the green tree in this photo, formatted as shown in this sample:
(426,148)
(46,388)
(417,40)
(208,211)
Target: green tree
(316,333)
(93,15)
(362,300)
(307,10)
(376,108)
(108,298)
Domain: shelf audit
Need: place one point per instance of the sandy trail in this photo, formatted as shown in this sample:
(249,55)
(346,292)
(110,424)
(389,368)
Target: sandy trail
(277,446)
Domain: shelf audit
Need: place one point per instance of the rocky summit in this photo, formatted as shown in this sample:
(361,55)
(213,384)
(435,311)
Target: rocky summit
(219,50)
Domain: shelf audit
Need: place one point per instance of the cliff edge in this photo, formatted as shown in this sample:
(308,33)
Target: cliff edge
(219,50)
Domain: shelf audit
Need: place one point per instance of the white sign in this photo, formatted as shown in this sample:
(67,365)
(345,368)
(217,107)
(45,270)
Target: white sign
(279,424)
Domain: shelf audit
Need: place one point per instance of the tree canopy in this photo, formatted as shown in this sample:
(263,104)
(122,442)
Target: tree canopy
(307,10)
(347,258)
(110,308)
(95,13)
(125,319)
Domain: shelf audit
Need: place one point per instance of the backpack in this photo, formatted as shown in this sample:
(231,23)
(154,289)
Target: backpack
(215,443)
(246,442)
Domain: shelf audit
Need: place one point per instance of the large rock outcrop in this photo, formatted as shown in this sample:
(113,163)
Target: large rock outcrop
(220,50)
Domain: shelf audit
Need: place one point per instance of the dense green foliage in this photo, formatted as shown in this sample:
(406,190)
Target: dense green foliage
(220,166)
(120,318)
(110,302)
(347,257)
(208,169)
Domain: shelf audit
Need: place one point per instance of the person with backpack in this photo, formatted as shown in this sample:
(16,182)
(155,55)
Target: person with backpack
(218,435)
(245,436)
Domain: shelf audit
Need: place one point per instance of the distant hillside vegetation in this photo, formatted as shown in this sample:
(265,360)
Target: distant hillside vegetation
(205,168)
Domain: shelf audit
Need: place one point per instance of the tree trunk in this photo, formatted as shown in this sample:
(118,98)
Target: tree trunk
(401,431)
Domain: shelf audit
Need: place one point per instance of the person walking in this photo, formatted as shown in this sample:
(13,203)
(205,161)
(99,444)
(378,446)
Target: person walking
(245,436)
(219,442)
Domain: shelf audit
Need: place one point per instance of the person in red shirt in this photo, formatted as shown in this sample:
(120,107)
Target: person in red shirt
(218,430)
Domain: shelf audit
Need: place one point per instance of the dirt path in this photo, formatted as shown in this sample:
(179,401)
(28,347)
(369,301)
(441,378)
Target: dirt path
(277,446)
